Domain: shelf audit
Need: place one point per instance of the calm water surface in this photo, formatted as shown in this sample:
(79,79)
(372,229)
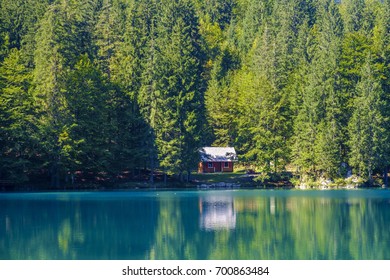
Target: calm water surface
(245,224)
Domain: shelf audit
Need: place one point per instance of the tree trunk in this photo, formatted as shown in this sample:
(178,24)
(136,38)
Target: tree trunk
(370,177)
(181,176)
(55,176)
(151,179)
(276,165)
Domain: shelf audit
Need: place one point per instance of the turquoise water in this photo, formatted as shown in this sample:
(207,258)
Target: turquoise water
(244,224)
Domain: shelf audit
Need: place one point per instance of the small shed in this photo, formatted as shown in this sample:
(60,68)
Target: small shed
(217,159)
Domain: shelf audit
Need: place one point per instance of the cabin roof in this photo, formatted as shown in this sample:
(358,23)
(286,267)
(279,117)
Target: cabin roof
(218,154)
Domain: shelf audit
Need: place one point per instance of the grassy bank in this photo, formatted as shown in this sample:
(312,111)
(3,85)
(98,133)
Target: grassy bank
(242,179)
(97,182)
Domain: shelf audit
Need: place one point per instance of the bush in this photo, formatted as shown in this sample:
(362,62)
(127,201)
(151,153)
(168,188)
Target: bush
(339,182)
(295,181)
(263,176)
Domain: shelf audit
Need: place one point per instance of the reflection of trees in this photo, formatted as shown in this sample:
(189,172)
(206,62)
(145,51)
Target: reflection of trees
(301,227)
(70,233)
(177,234)
(267,225)
(318,228)
(260,232)
(37,230)
(93,228)
(340,228)
(169,239)
(217,212)
(369,230)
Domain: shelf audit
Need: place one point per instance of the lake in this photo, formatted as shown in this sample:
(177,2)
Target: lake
(210,224)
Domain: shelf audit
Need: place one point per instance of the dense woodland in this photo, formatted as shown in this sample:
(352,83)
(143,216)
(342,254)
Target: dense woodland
(106,86)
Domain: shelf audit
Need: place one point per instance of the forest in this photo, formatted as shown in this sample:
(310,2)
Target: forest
(108,86)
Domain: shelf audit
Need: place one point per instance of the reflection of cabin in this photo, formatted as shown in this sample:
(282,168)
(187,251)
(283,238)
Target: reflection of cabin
(217,213)
(217,159)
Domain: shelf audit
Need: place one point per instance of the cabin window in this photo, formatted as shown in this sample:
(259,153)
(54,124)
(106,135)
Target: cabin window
(210,165)
(226,165)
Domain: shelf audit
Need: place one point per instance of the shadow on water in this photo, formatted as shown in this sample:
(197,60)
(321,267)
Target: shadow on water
(196,225)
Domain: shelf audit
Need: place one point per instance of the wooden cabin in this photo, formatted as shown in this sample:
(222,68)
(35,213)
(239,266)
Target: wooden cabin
(217,159)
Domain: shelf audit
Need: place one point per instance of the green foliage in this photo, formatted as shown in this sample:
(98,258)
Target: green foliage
(367,127)
(17,119)
(107,86)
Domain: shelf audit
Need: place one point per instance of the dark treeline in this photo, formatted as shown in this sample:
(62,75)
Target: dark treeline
(113,85)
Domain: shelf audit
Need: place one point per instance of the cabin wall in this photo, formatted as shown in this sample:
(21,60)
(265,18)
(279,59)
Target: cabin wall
(204,167)
(229,167)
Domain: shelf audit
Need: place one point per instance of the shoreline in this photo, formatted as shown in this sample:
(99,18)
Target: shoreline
(185,187)
(215,181)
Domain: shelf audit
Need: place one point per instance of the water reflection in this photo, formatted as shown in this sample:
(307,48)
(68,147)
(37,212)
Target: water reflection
(196,225)
(217,213)
(86,227)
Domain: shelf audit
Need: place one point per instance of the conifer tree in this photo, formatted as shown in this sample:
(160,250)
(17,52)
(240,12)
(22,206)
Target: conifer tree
(353,14)
(108,33)
(17,119)
(367,127)
(221,104)
(85,137)
(61,39)
(329,143)
(117,37)
(113,85)
(317,138)
(180,87)
(48,81)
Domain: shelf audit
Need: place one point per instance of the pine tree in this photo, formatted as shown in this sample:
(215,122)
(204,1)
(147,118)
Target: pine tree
(267,131)
(318,125)
(380,49)
(18,18)
(17,120)
(352,12)
(149,96)
(181,89)
(171,94)
(217,11)
(119,56)
(84,138)
(329,145)
(108,33)
(62,37)
(221,104)
(48,81)
(367,127)
(260,122)
(253,15)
